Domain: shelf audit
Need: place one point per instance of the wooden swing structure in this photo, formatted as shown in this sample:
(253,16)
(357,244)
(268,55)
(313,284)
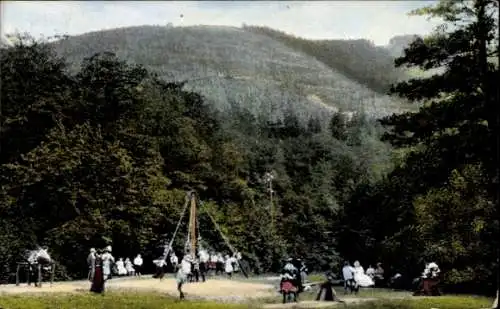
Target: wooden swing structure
(193,237)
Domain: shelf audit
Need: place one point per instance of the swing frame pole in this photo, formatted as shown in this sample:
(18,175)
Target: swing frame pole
(193,229)
(192,226)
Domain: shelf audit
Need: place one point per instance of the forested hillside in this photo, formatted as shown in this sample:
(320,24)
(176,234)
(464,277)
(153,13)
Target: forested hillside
(102,153)
(103,156)
(360,60)
(260,72)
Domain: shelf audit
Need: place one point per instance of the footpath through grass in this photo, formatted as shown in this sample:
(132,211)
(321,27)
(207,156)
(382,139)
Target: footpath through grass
(135,300)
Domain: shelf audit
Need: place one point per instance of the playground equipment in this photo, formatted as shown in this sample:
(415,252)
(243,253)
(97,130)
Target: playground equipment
(193,237)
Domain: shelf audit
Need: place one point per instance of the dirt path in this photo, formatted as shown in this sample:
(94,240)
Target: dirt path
(219,289)
(216,289)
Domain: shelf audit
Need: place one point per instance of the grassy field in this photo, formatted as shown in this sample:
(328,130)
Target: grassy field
(156,301)
(451,302)
(112,300)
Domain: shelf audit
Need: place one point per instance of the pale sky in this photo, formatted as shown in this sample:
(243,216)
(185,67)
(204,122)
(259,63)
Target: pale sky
(373,20)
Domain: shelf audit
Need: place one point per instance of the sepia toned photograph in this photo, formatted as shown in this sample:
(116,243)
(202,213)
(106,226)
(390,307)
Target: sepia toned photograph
(249,154)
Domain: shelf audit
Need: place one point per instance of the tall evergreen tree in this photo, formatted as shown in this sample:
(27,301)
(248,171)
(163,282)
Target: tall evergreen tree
(459,122)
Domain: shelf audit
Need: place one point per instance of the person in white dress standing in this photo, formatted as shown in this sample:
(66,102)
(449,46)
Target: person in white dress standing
(107,263)
(229,265)
(138,265)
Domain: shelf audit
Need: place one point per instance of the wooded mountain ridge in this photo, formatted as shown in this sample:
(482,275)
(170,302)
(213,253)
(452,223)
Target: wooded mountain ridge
(260,69)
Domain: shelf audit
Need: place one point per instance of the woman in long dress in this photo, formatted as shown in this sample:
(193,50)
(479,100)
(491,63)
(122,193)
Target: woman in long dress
(107,263)
(360,277)
(98,277)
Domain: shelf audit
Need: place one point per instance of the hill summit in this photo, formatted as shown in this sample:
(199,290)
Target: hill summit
(264,70)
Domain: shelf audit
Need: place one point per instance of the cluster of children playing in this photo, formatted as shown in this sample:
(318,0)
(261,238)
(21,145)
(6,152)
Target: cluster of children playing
(193,266)
(203,264)
(119,267)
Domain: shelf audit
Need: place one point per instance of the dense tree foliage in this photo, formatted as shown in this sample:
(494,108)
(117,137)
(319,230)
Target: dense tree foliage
(437,204)
(103,154)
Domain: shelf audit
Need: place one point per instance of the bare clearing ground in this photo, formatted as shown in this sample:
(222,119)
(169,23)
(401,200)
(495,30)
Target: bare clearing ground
(211,289)
(216,289)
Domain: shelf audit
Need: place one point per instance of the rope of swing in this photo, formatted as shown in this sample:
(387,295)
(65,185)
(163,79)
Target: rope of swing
(217,227)
(186,204)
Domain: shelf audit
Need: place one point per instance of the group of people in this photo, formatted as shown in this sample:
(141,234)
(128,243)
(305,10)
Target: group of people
(293,276)
(294,269)
(203,264)
(377,274)
(355,276)
(192,268)
(102,265)
(126,268)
